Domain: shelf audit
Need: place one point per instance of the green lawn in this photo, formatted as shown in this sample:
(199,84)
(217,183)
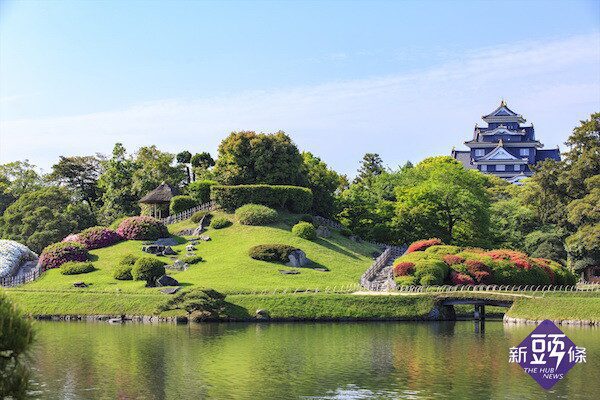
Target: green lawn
(227,266)
(577,306)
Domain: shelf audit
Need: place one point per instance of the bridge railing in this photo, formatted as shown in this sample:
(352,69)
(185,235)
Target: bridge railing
(171,219)
(588,287)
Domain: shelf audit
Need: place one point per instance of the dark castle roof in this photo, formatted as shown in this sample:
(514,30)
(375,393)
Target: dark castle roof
(162,194)
(542,155)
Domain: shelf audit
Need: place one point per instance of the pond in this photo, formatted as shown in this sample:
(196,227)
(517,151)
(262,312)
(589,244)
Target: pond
(296,361)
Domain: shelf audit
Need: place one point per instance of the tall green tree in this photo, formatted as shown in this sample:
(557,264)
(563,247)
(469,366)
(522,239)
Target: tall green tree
(116,182)
(201,164)
(370,166)
(20,177)
(184,158)
(323,182)
(153,168)
(80,174)
(249,157)
(439,198)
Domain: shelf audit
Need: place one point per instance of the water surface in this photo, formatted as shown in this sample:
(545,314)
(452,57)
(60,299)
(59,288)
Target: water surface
(296,361)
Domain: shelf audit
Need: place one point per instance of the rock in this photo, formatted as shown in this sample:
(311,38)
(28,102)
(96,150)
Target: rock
(153,249)
(321,269)
(262,314)
(190,248)
(80,284)
(297,259)
(186,232)
(168,251)
(116,321)
(171,290)
(323,231)
(204,238)
(289,272)
(166,280)
(179,265)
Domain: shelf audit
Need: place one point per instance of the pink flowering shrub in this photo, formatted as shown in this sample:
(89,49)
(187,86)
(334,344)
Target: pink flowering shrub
(404,268)
(142,228)
(421,245)
(95,237)
(459,278)
(57,254)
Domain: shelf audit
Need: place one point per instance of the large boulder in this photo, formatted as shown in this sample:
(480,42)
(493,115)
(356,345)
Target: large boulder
(166,280)
(15,257)
(297,259)
(323,231)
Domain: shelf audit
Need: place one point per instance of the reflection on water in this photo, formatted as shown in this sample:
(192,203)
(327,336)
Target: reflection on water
(296,361)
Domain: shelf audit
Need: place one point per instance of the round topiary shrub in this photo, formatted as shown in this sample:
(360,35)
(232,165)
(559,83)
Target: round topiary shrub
(76,267)
(255,214)
(271,252)
(147,269)
(421,245)
(459,278)
(220,223)
(57,254)
(180,204)
(142,228)
(95,237)
(122,272)
(128,259)
(404,268)
(305,230)
(197,216)
(430,280)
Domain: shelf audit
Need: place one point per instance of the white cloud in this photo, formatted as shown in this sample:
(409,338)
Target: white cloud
(408,116)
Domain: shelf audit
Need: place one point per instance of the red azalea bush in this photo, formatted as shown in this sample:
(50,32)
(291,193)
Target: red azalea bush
(479,271)
(452,259)
(95,237)
(421,245)
(142,228)
(404,268)
(57,254)
(458,278)
(521,260)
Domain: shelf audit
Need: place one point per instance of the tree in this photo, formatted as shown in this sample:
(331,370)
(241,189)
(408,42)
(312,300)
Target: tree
(43,217)
(201,162)
(16,337)
(323,182)
(80,174)
(20,177)
(184,158)
(154,167)
(370,166)
(439,198)
(116,183)
(248,158)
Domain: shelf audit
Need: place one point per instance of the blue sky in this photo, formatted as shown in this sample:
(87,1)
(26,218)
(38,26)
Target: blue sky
(404,79)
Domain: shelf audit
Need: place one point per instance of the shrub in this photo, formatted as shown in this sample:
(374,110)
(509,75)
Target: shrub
(444,249)
(128,259)
(435,268)
(305,230)
(405,280)
(404,268)
(459,278)
(122,272)
(142,228)
(421,245)
(147,269)
(198,215)
(76,267)
(271,252)
(346,232)
(115,224)
(95,237)
(191,259)
(220,223)
(181,203)
(452,259)
(293,198)
(255,214)
(430,280)
(479,271)
(57,254)
(201,304)
(200,190)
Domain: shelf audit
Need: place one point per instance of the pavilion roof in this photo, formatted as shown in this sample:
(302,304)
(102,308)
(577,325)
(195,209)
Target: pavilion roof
(162,194)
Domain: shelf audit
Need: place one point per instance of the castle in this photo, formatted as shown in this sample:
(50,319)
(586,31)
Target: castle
(504,148)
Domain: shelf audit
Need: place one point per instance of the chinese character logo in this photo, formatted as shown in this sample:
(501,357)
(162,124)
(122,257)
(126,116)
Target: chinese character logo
(547,354)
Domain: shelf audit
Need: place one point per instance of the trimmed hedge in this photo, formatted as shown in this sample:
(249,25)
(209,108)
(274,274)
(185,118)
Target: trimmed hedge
(293,198)
(452,265)
(57,254)
(272,252)
(142,228)
(305,230)
(256,214)
(181,203)
(76,268)
(147,269)
(220,223)
(95,237)
(200,190)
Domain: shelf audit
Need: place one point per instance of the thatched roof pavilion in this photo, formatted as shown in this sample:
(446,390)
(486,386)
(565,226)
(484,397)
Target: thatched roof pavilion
(159,199)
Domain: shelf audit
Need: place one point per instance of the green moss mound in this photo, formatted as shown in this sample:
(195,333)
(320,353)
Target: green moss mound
(76,268)
(256,214)
(305,230)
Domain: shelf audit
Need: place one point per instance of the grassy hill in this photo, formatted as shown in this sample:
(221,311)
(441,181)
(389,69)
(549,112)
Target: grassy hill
(226,268)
